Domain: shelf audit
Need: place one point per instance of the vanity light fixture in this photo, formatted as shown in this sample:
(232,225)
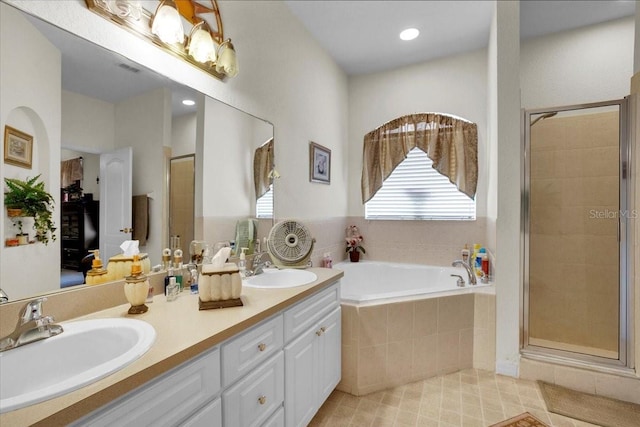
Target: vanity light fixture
(227,62)
(200,43)
(409,34)
(167,23)
(188,102)
(206,46)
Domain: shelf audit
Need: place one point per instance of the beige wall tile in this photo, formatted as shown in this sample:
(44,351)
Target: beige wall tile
(455,312)
(627,389)
(399,360)
(400,321)
(372,325)
(465,357)
(425,356)
(372,363)
(576,379)
(448,352)
(425,317)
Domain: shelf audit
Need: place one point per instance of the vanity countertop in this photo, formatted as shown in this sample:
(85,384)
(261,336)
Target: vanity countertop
(182,331)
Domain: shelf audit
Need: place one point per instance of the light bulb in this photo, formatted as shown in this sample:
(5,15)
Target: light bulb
(201,46)
(167,24)
(409,34)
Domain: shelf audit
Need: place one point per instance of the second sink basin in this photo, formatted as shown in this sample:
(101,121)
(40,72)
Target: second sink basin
(85,352)
(274,278)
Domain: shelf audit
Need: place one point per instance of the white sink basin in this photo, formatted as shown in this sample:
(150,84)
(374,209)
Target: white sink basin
(85,352)
(274,278)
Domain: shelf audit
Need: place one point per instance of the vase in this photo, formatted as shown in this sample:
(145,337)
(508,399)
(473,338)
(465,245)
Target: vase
(13,213)
(354,256)
(23,239)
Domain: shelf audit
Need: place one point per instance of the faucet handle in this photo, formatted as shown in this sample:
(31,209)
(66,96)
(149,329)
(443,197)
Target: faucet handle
(460,281)
(32,310)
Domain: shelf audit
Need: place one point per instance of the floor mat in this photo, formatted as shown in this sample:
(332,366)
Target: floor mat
(593,409)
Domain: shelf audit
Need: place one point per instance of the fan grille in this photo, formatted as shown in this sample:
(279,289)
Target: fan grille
(290,242)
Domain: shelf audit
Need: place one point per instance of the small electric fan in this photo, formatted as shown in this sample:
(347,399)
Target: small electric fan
(290,244)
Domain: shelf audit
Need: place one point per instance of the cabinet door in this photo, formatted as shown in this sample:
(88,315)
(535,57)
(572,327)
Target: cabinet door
(252,400)
(301,364)
(209,416)
(330,345)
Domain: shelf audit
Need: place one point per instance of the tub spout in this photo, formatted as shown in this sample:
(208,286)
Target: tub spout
(472,276)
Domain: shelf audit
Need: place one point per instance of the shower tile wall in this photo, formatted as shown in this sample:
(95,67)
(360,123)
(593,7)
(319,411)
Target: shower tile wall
(573,239)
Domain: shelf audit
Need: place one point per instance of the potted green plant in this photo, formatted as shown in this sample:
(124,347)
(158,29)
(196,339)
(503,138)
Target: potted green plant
(34,201)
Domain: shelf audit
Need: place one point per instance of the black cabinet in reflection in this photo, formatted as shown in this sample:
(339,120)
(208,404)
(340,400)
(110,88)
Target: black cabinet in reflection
(79,231)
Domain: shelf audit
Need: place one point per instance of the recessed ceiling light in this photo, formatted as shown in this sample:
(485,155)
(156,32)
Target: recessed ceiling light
(188,102)
(409,34)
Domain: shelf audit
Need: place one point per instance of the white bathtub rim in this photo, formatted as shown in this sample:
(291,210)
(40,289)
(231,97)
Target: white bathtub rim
(412,295)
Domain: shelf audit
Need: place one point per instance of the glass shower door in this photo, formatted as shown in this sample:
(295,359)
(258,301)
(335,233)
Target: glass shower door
(575,245)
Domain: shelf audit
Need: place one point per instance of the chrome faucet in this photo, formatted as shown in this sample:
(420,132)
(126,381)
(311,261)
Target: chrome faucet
(259,265)
(32,326)
(472,276)
(3,297)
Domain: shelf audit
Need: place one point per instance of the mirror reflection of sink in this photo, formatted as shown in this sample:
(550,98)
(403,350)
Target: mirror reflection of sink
(85,352)
(274,278)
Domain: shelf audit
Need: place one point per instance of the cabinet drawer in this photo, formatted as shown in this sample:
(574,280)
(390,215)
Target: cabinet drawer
(245,352)
(209,416)
(252,400)
(303,315)
(276,420)
(164,401)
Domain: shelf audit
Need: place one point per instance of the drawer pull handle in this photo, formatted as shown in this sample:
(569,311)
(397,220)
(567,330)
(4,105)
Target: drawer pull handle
(319,332)
(262,346)
(323,329)
(262,400)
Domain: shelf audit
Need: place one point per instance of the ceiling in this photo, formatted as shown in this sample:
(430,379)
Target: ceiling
(362,36)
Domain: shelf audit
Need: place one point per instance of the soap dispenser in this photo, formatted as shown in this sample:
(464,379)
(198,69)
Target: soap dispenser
(242,263)
(97,274)
(136,288)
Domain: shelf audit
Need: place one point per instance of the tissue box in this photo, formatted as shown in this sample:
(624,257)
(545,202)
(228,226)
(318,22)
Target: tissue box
(119,266)
(219,288)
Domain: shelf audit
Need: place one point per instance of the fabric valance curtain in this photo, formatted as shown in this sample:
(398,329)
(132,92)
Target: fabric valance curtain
(451,143)
(262,166)
(70,171)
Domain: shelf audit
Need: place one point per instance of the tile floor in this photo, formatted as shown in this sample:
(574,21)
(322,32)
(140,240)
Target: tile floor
(469,398)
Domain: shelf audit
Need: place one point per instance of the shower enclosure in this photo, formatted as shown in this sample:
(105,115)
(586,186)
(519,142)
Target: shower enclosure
(577,215)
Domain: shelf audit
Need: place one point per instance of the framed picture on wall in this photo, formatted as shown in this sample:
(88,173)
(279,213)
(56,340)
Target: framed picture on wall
(319,163)
(18,147)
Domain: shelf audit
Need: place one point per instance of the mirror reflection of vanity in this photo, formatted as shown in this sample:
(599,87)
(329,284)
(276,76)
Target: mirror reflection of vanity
(108,102)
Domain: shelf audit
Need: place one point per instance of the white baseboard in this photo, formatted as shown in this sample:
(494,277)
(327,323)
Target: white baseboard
(507,367)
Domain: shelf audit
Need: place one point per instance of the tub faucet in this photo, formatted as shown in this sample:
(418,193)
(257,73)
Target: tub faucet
(32,326)
(3,297)
(472,276)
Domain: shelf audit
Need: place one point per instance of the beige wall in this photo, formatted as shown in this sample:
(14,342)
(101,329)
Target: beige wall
(573,260)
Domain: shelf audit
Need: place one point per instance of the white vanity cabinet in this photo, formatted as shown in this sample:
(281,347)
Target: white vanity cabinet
(312,358)
(274,374)
(173,398)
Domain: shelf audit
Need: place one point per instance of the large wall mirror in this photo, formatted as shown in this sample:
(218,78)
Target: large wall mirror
(112,108)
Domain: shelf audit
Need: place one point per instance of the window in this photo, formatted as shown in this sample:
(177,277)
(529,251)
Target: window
(415,190)
(264,205)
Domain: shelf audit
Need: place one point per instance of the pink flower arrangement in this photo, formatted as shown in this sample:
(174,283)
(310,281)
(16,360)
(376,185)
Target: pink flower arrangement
(354,238)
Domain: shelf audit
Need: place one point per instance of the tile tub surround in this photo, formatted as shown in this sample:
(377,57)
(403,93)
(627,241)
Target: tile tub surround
(178,340)
(419,242)
(388,345)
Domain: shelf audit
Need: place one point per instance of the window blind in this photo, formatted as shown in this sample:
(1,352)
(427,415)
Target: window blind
(415,190)
(264,205)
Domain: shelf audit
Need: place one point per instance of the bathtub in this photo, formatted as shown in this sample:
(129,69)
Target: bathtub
(407,322)
(372,282)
